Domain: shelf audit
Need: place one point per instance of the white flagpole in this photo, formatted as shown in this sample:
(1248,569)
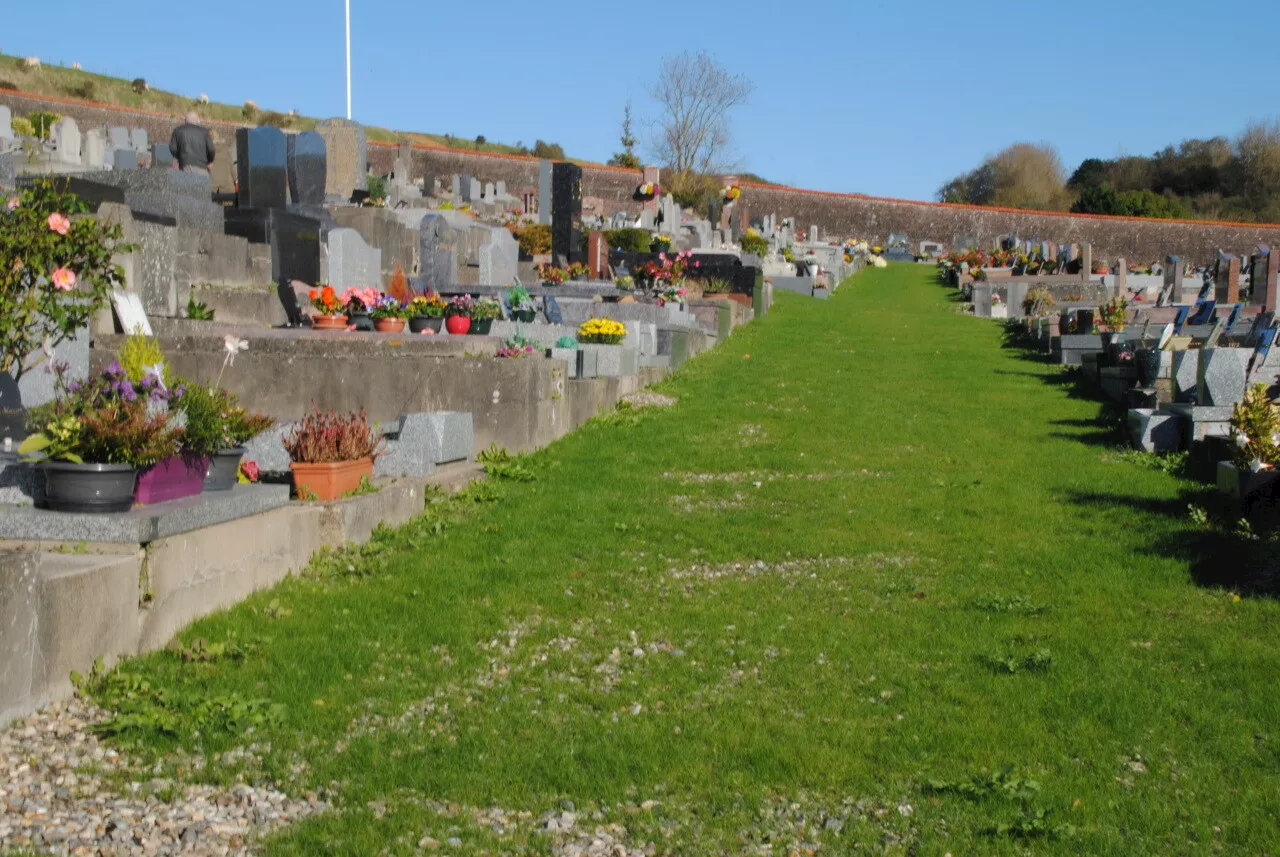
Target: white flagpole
(348,59)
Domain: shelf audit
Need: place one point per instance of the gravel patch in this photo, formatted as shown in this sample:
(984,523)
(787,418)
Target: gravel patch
(645,399)
(59,795)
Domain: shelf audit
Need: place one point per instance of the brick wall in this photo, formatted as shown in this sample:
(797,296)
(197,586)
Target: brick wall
(843,215)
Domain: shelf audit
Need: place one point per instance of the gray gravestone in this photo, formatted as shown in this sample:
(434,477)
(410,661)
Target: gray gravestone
(471,189)
(489,192)
(499,258)
(6,123)
(12,415)
(352,262)
(307,167)
(161,157)
(544,192)
(439,245)
(124,159)
(138,140)
(464,188)
(119,138)
(262,167)
(346,156)
(8,175)
(455,185)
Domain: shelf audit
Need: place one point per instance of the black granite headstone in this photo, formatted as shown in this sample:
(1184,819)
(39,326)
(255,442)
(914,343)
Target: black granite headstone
(308,162)
(294,240)
(566,214)
(263,158)
(13,417)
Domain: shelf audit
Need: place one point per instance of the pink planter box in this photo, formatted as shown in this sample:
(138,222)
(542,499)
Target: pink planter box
(171,479)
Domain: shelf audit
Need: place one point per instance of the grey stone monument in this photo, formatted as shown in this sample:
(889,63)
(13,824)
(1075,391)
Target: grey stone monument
(544,193)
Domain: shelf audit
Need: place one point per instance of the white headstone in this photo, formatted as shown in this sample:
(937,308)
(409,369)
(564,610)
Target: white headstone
(1165,336)
(130,313)
(119,138)
(6,123)
(95,149)
(138,140)
(66,139)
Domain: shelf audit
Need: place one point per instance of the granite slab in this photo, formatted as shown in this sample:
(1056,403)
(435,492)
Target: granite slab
(142,524)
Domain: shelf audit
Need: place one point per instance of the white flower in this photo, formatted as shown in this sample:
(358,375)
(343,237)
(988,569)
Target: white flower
(233,345)
(1256,465)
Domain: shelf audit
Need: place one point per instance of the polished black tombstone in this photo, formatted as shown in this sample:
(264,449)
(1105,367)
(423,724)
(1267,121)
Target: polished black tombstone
(294,240)
(566,214)
(13,417)
(307,163)
(262,167)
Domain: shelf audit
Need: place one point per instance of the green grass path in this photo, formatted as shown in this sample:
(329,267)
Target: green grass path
(869,562)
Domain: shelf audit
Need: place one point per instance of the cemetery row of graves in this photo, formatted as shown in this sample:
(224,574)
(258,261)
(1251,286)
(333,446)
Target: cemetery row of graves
(282,369)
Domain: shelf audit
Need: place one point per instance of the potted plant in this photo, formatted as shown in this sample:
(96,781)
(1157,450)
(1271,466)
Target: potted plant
(237,427)
(359,303)
(716,288)
(661,243)
(578,271)
(1113,314)
(457,315)
(522,307)
(91,441)
(552,275)
(673,295)
(331,454)
(426,312)
(332,311)
(483,312)
(388,315)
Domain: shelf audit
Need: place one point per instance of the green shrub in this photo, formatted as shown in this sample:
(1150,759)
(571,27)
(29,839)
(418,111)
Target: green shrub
(377,186)
(86,90)
(42,122)
(139,355)
(630,240)
(22,126)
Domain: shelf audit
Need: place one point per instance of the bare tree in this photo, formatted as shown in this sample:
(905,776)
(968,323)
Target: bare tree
(696,95)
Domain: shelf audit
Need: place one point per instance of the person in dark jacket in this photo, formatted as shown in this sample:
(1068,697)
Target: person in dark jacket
(192,146)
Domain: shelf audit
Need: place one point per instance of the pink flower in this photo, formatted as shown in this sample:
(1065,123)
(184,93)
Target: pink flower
(13,203)
(64,279)
(59,223)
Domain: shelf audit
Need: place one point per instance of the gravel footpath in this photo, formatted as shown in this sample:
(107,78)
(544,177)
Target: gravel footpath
(59,794)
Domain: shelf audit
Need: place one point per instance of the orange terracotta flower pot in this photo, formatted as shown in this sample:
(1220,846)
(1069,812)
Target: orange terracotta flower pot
(329,481)
(388,325)
(329,322)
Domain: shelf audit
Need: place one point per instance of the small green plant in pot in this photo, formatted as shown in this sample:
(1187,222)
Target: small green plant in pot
(233,427)
(521,304)
(483,314)
(330,454)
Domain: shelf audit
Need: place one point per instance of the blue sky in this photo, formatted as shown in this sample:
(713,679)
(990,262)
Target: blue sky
(890,97)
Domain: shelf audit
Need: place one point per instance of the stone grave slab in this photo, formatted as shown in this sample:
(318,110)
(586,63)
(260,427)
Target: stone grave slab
(262,168)
(346,156)
(307,168)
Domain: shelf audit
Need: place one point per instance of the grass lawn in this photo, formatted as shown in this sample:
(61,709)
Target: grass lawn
(872,586)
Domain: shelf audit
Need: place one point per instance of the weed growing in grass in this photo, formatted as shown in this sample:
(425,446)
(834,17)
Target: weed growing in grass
(1173,463)
(1007,663)
(1020,604)
(500,464)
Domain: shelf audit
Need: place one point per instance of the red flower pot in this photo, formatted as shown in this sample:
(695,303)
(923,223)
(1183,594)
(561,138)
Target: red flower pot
(388,325)
(458,324)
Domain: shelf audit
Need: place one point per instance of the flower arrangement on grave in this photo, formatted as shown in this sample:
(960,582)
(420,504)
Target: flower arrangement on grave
(648,191)
(625,283)
(996,300)
(427,306)
(377,187)
(731,192)
(667,268)
(249,473)
(672,295)
(661,243)
(578,271)
(483,314)
(788,255)
(461,305)
(878,261)
(360,301)
(325,301)
(551,275)
(1113,314)
(388,314)
(753,242)
(517,346)
(521,304)
(877,249)
(93,438)
(602,331)
(566,342)
(1038,302)
(57,273)
(1255,430)
(330,454)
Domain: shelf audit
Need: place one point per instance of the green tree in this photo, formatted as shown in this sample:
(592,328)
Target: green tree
(627,157)
(550,151)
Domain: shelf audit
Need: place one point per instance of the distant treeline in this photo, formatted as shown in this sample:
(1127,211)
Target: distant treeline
(1214,179)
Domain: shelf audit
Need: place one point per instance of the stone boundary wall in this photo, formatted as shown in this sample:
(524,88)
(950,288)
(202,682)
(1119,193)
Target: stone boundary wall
(842,215)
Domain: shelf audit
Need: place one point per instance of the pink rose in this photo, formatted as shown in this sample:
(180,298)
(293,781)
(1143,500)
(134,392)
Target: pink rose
(59,223)
(64,279)
(14,202)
